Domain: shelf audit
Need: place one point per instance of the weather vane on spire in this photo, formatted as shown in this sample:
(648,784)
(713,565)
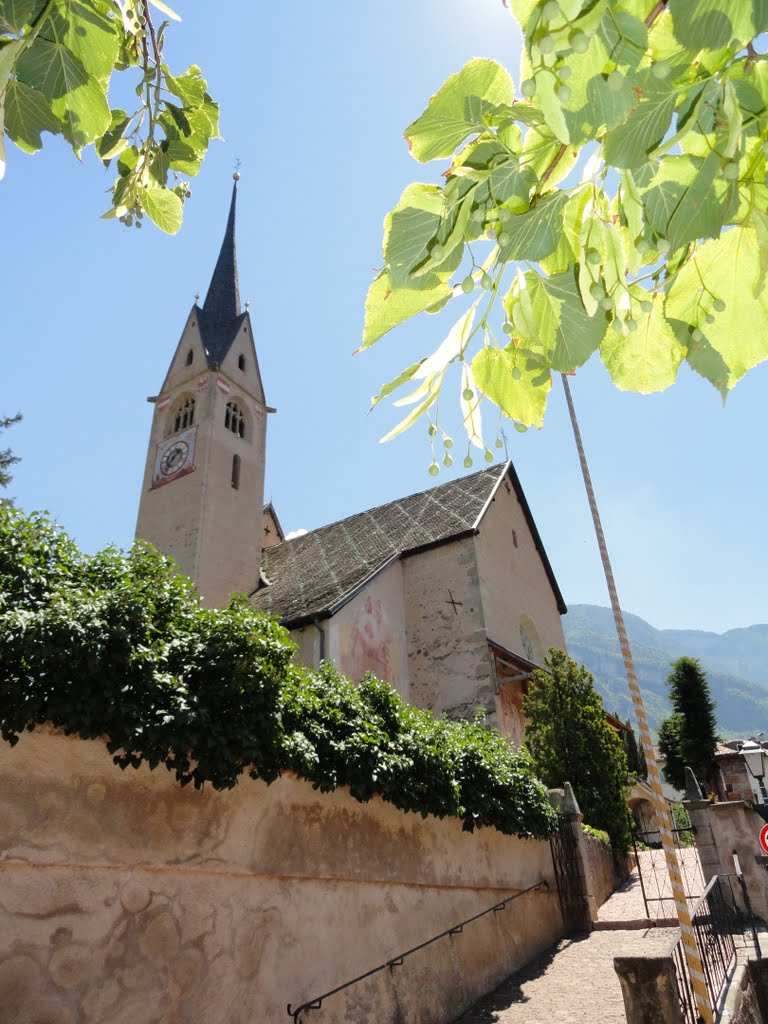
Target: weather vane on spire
(236,175)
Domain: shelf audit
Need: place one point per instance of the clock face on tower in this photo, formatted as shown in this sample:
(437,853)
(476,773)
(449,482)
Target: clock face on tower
(174,457)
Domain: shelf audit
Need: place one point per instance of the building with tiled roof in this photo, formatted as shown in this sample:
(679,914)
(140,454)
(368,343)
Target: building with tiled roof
(447,593)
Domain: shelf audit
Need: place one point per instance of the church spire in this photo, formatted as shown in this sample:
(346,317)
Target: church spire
(222,303)
(220,317)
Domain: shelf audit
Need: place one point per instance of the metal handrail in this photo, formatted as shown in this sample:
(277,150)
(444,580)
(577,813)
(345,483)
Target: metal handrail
(397,961)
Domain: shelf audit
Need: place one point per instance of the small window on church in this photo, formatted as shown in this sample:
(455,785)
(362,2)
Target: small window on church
(236,472)
(514,538)
(241,361)
(189,358)
(183,414)
(234,419)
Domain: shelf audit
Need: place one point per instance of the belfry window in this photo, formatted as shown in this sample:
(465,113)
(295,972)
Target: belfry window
(183,415)
(189,358)
(241,362)
(236,472)
(234,419)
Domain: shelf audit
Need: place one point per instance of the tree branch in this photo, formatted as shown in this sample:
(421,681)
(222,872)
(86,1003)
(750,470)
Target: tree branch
(658,9)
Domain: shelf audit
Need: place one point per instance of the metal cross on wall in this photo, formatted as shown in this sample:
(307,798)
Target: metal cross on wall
(452,601)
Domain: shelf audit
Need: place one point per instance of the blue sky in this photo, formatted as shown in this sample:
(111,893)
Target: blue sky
(314,101)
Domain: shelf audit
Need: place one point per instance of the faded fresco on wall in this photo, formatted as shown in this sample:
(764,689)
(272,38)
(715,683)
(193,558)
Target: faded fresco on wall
(368,634)
(367,641)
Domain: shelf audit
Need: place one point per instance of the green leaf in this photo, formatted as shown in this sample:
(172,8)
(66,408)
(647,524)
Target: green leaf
(511,181)
(412,416)
(551,106)
(111,143)
(20,13)
(563,330)
(645,360)
(166,10)
(163,207)
(504,377)
(392,385)
(189,87)
(689,199)
(386,307)
(77,99)
(629,144)
(727,268)
(625,37)
(457,109)
(27,114)
(88,34)
(534,235)
(710,24)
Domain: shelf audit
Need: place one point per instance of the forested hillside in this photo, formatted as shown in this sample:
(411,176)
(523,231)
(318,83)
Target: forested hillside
(736,663)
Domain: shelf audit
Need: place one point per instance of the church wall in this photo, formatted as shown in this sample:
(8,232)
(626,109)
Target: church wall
(368,633)
(128,899)
(514,586)
(448,660)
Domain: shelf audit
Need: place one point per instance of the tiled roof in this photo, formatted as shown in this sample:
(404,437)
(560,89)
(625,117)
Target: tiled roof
(313,575)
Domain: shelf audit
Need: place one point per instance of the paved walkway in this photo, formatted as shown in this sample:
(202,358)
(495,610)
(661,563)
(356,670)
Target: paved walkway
(574,982)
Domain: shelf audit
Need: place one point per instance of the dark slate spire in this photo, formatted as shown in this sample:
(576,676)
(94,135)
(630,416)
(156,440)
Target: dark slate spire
(220,316)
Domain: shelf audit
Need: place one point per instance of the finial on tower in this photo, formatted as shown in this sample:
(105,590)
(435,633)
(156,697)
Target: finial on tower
(236,175)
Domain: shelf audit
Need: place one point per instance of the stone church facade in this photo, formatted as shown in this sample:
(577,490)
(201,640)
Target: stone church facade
(448,593)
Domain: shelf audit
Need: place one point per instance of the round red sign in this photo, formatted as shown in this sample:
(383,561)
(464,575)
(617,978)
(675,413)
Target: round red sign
(764,838)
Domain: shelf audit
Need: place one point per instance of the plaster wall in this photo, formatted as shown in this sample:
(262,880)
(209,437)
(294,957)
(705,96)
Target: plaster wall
(125,899)
(514,587)
(309,644)
(600,869)
(448,658)
(368,633)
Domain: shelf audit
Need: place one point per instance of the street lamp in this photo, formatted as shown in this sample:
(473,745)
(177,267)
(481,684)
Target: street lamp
(752,752)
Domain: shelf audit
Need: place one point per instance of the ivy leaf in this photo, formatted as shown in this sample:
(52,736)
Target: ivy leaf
(163,207)
(645,360)
(27,114)
(728,269)
(504,377)
(629,144)
(457,109)
(534,235)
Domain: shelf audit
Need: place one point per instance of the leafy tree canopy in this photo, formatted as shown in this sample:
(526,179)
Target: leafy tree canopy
(117,646)
(570,740)
(613,201)
(688,737)
(57,59)
(7,458)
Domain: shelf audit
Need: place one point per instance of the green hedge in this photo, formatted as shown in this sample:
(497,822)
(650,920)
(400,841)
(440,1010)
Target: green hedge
(117,645)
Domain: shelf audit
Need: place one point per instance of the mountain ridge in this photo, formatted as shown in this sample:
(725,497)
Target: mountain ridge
(736,663)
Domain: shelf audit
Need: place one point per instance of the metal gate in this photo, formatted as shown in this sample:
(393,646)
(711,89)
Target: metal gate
(653,874)
(567,877)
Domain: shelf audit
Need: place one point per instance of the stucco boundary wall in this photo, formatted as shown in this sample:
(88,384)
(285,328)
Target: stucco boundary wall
(606,868)
(127,899)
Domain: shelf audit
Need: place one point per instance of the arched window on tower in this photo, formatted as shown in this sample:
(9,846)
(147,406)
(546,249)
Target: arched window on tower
(182,414)
(234,419)
(236,472)
(241,361)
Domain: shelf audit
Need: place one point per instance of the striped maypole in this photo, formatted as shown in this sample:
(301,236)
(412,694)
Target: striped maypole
(663,816)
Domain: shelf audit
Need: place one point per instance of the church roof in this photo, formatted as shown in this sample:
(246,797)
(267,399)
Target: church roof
(220,318)
(312,576)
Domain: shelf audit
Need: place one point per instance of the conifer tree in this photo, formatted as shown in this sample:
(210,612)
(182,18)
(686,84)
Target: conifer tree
(688,737)
(7,458)
(570,740)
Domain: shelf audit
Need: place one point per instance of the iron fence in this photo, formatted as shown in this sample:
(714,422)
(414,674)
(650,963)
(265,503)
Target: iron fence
(713,924)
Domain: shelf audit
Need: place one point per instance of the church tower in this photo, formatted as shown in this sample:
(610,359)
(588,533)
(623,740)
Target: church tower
(203,493)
